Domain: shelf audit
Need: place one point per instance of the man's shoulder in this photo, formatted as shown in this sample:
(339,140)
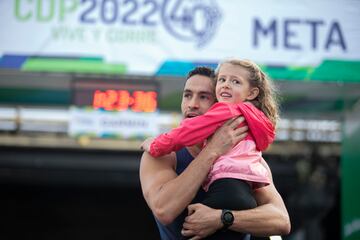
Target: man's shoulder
(168,160)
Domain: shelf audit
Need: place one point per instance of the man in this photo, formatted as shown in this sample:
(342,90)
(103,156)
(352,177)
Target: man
(172,182)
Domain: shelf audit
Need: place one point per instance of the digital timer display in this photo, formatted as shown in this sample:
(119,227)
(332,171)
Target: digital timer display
(116,94)
(138,101)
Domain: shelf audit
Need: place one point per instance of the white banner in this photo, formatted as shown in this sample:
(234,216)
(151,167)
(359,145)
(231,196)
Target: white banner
(143,34)
(123,125)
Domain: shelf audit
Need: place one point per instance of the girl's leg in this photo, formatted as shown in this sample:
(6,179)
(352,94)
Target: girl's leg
(232,194)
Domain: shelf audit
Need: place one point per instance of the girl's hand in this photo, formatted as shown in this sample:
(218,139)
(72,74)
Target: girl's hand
(146,144)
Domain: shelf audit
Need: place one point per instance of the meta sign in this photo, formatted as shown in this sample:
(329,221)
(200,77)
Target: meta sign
(286,33)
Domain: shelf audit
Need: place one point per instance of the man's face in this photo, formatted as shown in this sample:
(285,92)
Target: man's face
(198,96)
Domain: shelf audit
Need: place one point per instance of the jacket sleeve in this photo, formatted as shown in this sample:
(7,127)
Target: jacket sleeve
(260,126)
(192,130)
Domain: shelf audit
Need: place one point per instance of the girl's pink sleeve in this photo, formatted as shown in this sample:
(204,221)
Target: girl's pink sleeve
(193,130)
(260,126)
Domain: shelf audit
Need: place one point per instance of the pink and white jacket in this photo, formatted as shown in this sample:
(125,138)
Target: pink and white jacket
(241,162)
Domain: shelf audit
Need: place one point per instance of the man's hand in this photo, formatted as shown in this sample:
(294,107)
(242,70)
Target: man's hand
(201,221)
(146,144)
(227,136)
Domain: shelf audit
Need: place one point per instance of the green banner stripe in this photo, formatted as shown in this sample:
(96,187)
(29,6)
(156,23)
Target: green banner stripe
(288,73)
(343,71)
(327,71)
(89,65)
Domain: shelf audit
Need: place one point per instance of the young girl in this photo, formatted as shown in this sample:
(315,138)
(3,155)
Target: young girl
(241,89)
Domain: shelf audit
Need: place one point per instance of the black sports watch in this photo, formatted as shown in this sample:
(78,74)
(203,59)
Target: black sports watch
(227,218)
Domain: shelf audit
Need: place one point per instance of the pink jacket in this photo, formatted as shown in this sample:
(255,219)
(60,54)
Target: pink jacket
(243,161)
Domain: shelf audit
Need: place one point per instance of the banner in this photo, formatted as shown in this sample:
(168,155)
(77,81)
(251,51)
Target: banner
(147,36)
(112,124)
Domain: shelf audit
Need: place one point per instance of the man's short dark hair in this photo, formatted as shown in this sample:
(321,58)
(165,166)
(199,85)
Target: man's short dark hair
(203,71)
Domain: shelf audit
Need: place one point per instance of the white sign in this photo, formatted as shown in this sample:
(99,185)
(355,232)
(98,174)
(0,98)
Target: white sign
(124,125)
(144,34)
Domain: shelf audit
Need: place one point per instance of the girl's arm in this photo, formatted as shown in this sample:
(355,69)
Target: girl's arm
(261,128)
(192,130)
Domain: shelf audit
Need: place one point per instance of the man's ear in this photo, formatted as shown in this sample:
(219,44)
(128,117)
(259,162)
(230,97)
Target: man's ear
(254,92)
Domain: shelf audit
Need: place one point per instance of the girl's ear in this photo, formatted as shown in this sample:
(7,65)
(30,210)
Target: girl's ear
(254,92)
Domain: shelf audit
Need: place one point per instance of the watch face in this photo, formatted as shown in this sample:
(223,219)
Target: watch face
(228,217)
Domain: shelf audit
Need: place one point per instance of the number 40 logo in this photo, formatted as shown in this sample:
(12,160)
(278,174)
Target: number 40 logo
(191,20)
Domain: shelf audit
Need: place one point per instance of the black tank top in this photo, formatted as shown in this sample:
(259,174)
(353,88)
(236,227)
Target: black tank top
(173,230)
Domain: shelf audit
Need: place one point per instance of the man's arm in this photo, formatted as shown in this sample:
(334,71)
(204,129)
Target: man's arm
(269,218)
(168,194)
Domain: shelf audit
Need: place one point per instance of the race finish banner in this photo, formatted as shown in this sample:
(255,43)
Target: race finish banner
(305,40)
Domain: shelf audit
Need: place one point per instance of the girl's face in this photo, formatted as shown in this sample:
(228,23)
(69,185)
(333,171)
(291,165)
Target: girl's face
(232,84)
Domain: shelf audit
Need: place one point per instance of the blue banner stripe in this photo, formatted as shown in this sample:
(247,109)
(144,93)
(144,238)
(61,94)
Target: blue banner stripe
(12,61)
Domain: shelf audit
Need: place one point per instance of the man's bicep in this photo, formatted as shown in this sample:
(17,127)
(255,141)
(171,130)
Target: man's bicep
(267,195)
(154,173)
